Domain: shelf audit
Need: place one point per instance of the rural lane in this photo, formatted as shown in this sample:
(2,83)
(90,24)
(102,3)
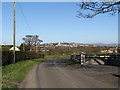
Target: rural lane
(54,73)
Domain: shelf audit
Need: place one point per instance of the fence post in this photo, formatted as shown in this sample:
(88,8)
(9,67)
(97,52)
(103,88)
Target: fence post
(82,57)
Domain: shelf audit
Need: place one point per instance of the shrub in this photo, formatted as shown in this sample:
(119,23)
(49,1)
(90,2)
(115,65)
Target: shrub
(7,56)
(5,48)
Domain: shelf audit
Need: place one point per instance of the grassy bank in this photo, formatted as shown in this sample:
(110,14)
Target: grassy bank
(15,73)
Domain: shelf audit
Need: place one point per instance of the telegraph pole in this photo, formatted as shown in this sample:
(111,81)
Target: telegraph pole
(14,30)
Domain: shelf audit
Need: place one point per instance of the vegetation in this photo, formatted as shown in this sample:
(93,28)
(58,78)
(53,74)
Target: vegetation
(75,50)
(4,48)
(7,85)
(29,41)
(70,62)
(17,72)
(32,40)
(24,47)
(7,56)
(95,8)
(57,56)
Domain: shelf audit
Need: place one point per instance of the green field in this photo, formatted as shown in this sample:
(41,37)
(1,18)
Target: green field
(15,73)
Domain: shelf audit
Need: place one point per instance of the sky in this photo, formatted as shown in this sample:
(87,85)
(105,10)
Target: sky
(56,22)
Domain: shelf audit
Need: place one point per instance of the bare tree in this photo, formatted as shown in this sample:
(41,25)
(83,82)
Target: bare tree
(32,40)
(91,9)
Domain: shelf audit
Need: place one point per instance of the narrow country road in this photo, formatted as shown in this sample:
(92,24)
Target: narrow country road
(55,74)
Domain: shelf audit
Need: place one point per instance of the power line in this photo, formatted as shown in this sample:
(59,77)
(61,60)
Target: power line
(25,18)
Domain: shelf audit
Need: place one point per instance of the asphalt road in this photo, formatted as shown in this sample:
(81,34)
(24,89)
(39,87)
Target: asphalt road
(56,74)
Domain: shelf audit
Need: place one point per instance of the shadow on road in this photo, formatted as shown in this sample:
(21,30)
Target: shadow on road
(116,75)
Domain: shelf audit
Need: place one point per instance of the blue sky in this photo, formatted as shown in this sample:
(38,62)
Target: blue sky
(57,22)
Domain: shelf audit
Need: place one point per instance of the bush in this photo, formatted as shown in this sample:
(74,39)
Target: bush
(5,48)
(7,56)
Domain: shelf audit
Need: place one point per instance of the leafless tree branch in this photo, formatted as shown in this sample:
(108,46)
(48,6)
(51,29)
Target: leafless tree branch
(94,8)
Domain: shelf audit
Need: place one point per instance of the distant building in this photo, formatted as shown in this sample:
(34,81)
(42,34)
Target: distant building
(110,50)
(64,44)
(16,49)
(38,49)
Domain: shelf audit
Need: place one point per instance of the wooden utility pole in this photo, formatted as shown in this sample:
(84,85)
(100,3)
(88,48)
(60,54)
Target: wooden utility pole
(23,46)
(14,30)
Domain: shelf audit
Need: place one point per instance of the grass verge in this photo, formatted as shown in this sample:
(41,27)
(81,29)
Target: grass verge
(70,62)
(15,73)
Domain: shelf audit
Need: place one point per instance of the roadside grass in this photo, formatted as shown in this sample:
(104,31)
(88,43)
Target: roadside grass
(57,56)
(15,73)
(7,85)
(70,62)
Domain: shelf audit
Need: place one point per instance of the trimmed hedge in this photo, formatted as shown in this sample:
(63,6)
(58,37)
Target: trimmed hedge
(7,56)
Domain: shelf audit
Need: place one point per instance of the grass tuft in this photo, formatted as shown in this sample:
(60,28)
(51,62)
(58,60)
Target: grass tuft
(70,62)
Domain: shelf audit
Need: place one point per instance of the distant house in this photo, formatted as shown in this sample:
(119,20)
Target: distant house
(64,44)
(114,49)
(36,48)
(110,50)
(16,49)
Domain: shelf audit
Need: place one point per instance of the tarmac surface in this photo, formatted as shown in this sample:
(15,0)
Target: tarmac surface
(55,73)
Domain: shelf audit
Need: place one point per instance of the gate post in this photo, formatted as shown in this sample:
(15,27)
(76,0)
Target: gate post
(82,58)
